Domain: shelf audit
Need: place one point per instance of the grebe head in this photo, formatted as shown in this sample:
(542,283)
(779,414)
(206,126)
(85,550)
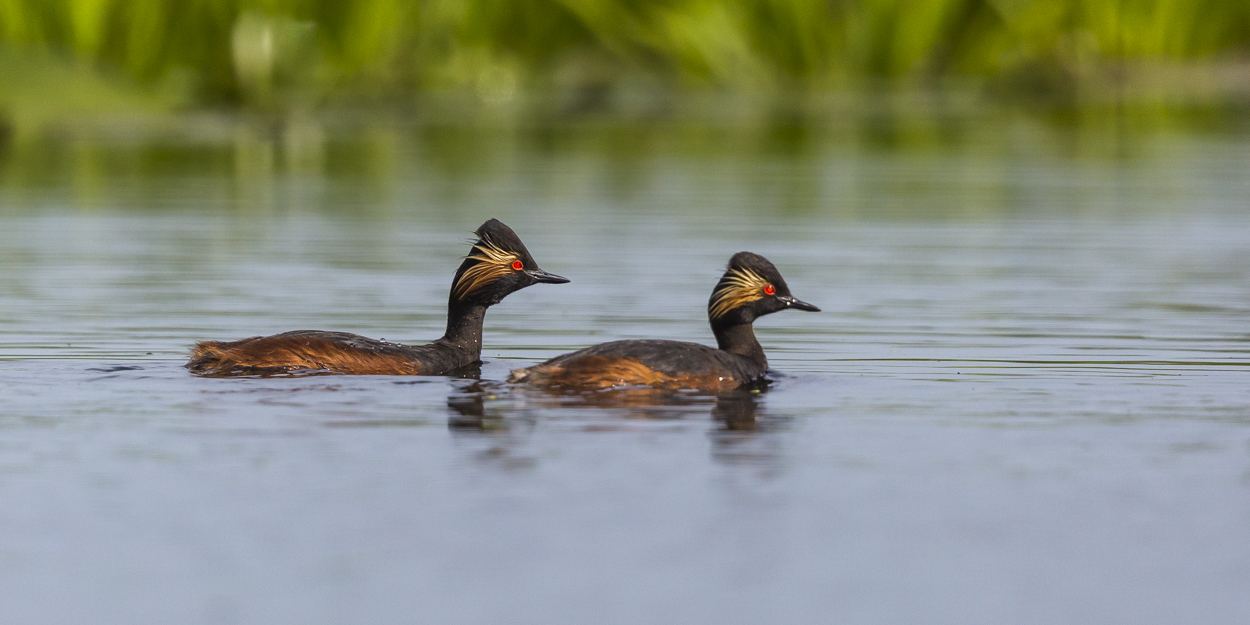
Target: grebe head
(497,265)
(751,288)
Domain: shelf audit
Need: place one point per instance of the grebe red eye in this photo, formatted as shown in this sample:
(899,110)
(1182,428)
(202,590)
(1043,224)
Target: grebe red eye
(518,265)
(769,289)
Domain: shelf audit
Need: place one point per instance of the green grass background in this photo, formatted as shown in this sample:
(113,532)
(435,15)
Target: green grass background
(287,53)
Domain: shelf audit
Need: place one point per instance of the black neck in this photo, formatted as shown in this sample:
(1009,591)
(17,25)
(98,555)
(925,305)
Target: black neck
(740,339)
(464,329)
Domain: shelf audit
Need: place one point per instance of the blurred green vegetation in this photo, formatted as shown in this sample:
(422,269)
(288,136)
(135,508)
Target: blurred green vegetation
(300,54)
(878,160)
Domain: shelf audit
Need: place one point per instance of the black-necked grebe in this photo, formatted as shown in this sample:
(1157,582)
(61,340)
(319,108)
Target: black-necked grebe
(498,265)
(751,287)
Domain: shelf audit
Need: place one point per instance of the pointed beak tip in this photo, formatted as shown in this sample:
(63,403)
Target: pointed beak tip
(548,278)
(799,304)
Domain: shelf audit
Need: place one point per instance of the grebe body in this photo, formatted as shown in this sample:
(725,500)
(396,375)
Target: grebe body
(498,264)
(750,288)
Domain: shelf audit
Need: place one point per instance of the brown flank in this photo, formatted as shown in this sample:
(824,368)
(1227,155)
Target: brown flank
(269,354)
(603,372)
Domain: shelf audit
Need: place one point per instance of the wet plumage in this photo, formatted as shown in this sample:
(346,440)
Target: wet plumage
(315,350)
(750,288)
(497,265)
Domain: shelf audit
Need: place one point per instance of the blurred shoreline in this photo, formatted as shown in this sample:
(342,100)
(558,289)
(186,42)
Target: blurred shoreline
(84,66)
(1171,96)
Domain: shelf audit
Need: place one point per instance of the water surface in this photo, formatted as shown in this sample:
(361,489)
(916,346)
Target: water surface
(1026,399)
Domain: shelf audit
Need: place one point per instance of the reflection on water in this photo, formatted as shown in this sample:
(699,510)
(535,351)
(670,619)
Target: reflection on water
(468,406)
(1032,362)
(508,414)
(737,410)
(733,410)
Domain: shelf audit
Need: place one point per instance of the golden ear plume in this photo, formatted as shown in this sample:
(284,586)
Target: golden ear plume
(741,287)
(493,262)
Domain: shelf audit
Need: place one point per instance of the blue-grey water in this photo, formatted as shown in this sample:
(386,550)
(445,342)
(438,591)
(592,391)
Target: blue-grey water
(1026,400)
